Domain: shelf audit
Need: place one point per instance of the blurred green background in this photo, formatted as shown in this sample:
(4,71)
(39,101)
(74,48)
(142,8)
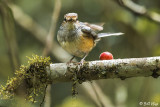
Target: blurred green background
(141,39)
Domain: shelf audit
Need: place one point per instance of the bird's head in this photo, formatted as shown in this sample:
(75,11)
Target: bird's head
(71,17)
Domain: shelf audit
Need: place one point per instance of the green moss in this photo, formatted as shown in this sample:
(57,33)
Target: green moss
(33,75)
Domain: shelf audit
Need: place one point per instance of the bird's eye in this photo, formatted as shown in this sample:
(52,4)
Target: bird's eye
(65,19)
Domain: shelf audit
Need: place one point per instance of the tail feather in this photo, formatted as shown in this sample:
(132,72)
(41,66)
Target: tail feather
(109,34)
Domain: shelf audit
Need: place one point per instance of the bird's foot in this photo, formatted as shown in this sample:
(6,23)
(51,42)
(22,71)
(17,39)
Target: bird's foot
(70,61)
(80,64)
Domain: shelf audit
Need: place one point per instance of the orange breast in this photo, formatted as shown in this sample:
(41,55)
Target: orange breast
(86,44)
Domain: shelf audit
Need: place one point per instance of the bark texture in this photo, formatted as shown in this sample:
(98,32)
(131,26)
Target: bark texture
(117,68)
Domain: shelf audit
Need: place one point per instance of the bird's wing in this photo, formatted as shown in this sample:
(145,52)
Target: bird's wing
(95,27)
(88,31)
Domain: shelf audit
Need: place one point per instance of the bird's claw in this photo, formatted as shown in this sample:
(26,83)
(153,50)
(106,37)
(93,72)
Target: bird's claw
(80,64)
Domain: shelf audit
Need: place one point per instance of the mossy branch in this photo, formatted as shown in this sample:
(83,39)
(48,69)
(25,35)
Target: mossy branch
(40,72)
(118,68)
(34,75)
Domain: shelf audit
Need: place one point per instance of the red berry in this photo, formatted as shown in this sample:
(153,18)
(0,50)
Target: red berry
(106,56)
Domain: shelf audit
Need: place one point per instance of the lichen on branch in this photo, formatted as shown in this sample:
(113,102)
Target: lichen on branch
(34,75)
(106,69)
(40,72)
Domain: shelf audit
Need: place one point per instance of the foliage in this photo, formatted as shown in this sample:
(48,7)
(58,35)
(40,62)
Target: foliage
(34,76)
(141,39)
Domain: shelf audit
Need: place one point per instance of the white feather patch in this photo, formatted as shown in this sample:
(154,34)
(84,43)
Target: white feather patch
(109,34)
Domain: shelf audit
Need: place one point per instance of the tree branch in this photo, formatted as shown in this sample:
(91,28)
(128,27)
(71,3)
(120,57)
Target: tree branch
(38,32)
(98,97)
(48,46)
(140,10)
(10,34)
(51,34)
(118,68)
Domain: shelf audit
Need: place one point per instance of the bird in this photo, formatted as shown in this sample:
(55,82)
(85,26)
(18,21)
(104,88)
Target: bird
(79,38)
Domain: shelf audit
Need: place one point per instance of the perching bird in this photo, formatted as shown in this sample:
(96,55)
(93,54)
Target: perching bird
(79,38)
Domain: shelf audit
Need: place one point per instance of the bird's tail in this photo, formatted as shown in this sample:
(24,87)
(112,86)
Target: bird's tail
(101,35)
